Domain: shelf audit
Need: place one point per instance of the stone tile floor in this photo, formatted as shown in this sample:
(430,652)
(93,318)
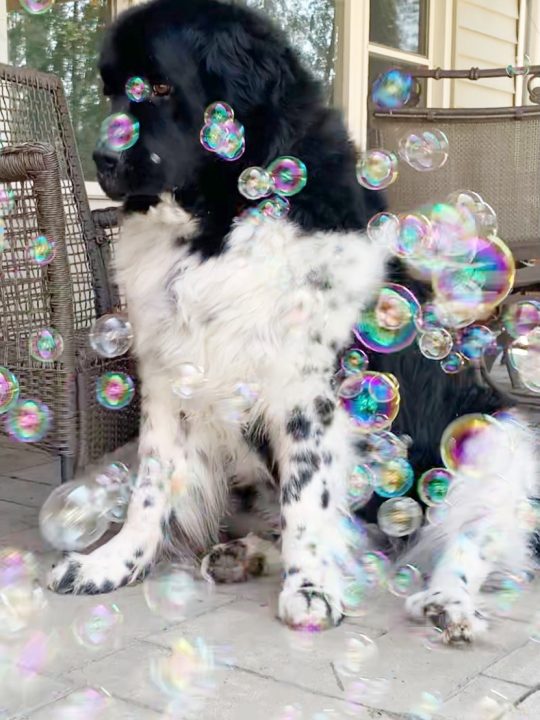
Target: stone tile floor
(263,667)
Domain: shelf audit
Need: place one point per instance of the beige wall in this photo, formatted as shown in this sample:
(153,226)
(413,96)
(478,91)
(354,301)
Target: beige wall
(486,35)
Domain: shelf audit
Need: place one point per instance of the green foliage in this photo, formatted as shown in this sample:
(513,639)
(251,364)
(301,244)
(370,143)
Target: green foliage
(65,41)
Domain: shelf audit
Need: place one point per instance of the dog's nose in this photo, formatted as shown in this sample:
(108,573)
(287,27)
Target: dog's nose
(106,160)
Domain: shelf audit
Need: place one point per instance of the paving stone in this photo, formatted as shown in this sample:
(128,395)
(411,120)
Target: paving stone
(116,710)
(14,518)
(530,708)
(17,457)
(463,705)
(19,694)
(24,492)
(47,472)
(520,666)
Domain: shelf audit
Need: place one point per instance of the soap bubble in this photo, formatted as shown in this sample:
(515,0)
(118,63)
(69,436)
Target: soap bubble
(255,183)
(190,378)
(86,704)
(218,112)
(433,486)
(22,599)
(371,400)
(385,446)
(405,580)
(354,361)
(3,239)
(395,477)
(392,89)
(385,226)
(289,175)
(427,708)
(377,169)
(98,626)
(359,649)
(115,390)
(46,345)
(28,420)
(7,200)
(41,250)
(36,7)
(519,68)
(360,487)
(186,671)
(493,706)
(138,89)
(457,436)
(275,208)
(170,592)
(424,150)
(522,317)
(234,145)
(436,344)
(117,481)
(111,335)
(414,235)
(476,341)
(9,389)
(524,356)
(213,136)
(427,319)
(388,325)
(73,516)
(399,516)
(119,132)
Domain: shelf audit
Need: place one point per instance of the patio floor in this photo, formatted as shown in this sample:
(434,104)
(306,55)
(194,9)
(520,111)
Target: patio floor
(264,671)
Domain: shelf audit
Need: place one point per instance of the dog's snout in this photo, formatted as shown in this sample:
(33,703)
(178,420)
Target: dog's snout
(106,160)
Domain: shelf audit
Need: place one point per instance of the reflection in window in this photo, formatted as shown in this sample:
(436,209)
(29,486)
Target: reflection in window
(66,41)
(399,24)
(311,28)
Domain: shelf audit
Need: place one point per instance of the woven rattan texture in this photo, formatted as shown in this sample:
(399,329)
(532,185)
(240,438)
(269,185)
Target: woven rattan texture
(498,158)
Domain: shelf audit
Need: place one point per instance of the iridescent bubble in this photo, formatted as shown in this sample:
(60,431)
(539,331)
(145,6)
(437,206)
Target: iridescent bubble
(74,515)
(354,361)
(399,516)
(486,220)
(289,175)
(377,169)
(372,400)
(394,478)
(414,235)
(213,136)
(427,319)
(190,379)
(360,487)
(392,89)
(119,132)
(138,89)
(453,231)
(275,208)
(433,486)
(374,568)
(519,68)
(354,598)
(3,238)
(405,580)
(476,341)
(436,344)
(524,356)
(117,481)
(383,226)
(437,514)
(22,599)
(111,335)
(234,145)
(426,708)
(186,670)
(28,421)
(455,439)
(424,150)
(46,345)
(41,250)
(9,389)
(7,200)
(170,591)
(385,446)
(460,309)
(99,626)
(362,692)
(218,112)
(36,7)
(86,704)
(114,390)
(522,317)
(255,183)
(388,325)
(359,649)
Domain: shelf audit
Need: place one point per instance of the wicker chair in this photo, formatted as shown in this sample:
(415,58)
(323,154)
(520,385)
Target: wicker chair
(39,163)
(493,151)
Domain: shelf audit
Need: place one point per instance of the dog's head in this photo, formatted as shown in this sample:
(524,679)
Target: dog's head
(193,53)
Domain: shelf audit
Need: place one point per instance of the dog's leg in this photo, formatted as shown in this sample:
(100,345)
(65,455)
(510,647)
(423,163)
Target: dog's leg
(314,458)
(128,555)
(481,534)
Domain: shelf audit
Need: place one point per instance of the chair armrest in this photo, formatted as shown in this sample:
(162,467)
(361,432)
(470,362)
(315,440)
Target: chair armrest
(107,224)
(33,170)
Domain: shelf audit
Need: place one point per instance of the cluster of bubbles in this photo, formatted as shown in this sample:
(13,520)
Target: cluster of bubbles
(284,177)
(77,513)
(36,7)
(221,133)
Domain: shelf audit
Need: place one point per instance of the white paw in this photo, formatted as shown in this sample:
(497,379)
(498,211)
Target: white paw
(104,570)
(309,608)
(451,609)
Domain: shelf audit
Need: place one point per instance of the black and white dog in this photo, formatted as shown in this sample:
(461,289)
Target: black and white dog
(270,304)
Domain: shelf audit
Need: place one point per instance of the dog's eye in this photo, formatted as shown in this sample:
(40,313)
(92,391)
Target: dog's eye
(161,90)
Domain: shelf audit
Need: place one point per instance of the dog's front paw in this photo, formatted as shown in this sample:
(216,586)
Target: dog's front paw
(309,608)
(449,609)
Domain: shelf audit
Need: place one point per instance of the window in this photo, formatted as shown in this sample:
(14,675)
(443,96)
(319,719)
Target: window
(65,40)
(399,24)
(312,29)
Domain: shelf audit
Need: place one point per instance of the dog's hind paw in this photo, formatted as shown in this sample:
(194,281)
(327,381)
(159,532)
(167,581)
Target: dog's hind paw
(451,610)
(309,608)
